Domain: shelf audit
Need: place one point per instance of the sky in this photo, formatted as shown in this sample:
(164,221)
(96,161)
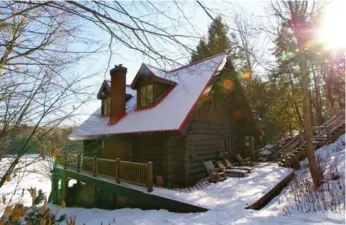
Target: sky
(197,25)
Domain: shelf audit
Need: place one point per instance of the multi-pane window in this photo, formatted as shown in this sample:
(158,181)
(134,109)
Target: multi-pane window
(106,104)
(146,96)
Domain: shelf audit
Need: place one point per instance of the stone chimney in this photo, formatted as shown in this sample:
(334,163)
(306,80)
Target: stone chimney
(118,93)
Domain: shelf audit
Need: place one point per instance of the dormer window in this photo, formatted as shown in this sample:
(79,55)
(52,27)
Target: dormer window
(106,103)
(146,96)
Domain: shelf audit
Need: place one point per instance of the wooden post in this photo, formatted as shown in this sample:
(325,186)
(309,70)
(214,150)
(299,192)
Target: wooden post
(65,158)
(95,167)
(55,189)
(79,160)
(328,133)
(64,186)
(117,177)
(150,176)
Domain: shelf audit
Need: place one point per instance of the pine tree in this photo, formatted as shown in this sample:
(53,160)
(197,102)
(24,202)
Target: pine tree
(216,43)
(201,52)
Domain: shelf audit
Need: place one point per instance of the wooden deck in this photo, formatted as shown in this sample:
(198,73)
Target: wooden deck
(126,184)
(137,196)
(110,184)
(140,174)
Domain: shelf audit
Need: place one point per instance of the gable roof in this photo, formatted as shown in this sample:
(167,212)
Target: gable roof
(169,115)
(147,70)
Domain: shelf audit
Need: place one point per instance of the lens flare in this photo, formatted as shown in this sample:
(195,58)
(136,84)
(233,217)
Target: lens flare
(228,84)
(332,32)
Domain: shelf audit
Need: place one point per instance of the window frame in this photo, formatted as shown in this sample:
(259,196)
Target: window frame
(144,99)
(106,104)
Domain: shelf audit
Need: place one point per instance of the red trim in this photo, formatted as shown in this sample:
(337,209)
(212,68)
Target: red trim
(202,60)
(93,136)
(153,105)
(194,105)
(114,120)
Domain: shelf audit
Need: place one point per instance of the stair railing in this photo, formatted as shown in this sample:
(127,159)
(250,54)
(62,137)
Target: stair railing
(289,146)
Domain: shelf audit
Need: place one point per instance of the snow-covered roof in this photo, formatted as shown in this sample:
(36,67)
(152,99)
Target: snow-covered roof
(169,114)
(147,70)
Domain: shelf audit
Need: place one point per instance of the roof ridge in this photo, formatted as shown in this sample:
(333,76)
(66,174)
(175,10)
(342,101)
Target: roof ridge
(202,60)
(155,67)
(191,64)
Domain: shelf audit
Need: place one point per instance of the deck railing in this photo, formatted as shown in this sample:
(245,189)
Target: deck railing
(117,170)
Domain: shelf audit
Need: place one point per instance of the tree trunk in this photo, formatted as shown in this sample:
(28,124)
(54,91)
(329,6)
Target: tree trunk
(329,85)
(315,173)
(296,109)
(311,111)
(319,115)
(298,21)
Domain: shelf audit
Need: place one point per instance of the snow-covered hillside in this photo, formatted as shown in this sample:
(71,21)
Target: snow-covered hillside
(297,204)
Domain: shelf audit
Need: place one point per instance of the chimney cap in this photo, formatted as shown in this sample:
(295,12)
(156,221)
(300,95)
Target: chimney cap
(119,68)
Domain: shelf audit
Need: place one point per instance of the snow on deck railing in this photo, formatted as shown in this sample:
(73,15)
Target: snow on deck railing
(117,170)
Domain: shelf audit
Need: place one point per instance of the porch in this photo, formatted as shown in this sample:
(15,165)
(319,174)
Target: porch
(109,184)
(251,192)
(118,171)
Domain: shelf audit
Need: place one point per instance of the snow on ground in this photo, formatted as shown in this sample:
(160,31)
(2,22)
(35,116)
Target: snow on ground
(284,209)
(234,192)
(32,171)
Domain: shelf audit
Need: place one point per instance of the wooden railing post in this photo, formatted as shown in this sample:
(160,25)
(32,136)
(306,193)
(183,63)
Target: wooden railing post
(150,176)
(95,166)
(79,161)
(328,133)
(117,164)
(65,159)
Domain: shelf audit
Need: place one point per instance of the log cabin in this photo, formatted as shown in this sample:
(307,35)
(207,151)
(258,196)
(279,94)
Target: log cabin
(175,119)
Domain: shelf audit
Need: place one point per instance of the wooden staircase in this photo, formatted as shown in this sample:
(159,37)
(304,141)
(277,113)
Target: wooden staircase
(294,150)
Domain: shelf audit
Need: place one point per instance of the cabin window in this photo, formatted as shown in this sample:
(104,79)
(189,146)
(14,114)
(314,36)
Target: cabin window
(146,95)
(106,106)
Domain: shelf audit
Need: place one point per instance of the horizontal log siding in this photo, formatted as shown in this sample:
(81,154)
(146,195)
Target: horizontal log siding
(204,142)
(92,147)
(175,160)
(210,125)
(150,147)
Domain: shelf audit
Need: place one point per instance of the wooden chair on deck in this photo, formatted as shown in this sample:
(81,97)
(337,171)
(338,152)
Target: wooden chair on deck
(244,162)
(229,165)
(231,172)
(215,174)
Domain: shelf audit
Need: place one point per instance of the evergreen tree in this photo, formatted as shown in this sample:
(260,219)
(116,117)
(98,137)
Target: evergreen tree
(201,52)
(216,43)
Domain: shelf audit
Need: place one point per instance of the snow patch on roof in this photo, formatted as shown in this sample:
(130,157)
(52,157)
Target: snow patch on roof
(163,74)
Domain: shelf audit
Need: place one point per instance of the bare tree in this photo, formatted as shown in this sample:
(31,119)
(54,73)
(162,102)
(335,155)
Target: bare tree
(37,90)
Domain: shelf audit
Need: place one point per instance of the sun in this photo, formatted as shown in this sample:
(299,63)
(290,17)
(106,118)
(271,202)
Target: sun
(333,28)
